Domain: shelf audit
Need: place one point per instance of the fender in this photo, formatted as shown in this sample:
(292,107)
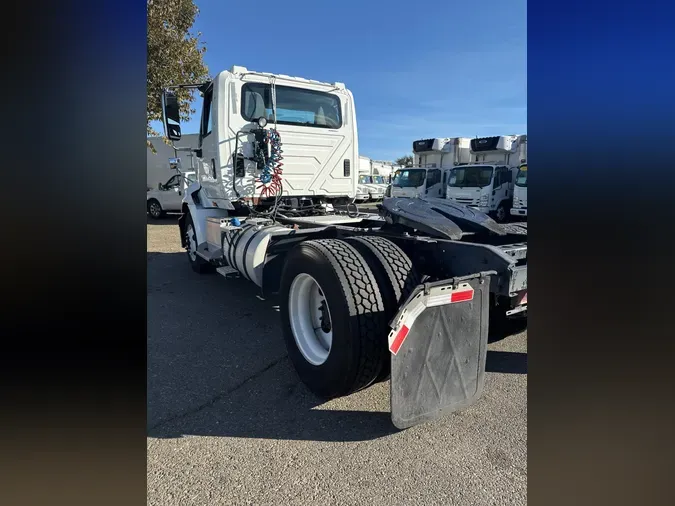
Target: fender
(192,205)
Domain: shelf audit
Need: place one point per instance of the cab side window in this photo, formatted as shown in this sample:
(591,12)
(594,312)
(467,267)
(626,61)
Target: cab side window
(207,118)
(508,175)
(172,183)
(433,177)
(498,178)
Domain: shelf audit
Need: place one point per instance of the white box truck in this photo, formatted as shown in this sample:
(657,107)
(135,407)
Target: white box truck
(487,182)
(369,181)
(432,161)
(519,207)
(406,294)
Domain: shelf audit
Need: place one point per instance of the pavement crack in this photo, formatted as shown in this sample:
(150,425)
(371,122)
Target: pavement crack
(217,398)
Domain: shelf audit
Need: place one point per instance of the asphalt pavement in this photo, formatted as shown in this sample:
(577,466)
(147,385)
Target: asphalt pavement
(230,423)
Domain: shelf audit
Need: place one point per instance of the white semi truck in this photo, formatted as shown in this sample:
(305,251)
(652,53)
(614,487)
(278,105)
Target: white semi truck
(406,294)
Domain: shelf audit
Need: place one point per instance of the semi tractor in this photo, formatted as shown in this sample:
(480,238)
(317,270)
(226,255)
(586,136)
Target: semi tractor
(406,294)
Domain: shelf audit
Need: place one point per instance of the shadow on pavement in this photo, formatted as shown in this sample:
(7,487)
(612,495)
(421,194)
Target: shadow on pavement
(167,219)
(217,366)
(509,362)
(502,328)
(275,405)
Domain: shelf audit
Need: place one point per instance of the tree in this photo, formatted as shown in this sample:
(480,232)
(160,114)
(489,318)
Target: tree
(175,56)
(405,161)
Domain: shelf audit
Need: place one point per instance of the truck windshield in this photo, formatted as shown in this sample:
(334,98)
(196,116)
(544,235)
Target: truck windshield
(521,178)
(378,179)
(295,106)
(472,177)
(365,180)
(409,178)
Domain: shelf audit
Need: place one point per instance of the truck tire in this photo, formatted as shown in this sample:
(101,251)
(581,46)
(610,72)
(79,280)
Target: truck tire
(396,276)
(501,213)
(197,263)
(332,317)
(155,209)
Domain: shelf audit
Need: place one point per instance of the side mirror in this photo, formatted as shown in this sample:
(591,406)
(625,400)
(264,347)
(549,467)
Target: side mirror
(159,186)
(171,113)
(174,164)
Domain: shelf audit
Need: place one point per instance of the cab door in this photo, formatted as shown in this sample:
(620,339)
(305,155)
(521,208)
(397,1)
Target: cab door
(434,185)
(171,195)
(207,166)
(501,188)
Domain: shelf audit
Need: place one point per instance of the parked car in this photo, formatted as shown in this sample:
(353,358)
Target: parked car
(168,197)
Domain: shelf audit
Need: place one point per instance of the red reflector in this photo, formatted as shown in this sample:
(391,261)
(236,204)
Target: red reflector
(524,299)
(461,296)
(398,340)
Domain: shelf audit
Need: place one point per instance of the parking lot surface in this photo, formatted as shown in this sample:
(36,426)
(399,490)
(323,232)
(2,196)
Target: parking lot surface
(230,423)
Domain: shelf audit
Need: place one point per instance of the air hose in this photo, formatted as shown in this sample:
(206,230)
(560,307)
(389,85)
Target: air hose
(270,176)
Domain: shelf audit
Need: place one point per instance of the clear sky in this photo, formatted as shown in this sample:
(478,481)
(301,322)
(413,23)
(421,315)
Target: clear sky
(417,69)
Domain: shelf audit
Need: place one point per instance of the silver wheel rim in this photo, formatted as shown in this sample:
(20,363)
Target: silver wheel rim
(155,210)
(192,243)
(311,323)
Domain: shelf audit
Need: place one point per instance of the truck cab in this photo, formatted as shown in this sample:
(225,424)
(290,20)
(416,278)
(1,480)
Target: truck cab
(487,181)
(432,161)
(368,186)
(487,187)
(381,183)
(417,182)
(309,116)
(520,193)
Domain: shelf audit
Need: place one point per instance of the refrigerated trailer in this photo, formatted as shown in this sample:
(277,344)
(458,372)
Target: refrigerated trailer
(405,295)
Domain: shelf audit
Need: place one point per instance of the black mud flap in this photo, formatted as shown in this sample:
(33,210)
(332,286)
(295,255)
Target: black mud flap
(438,347)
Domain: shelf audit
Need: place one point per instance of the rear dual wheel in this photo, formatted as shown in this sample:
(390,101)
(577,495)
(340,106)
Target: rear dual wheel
(339,298)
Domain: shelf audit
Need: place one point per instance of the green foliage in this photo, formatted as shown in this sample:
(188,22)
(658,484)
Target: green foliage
(405,161)
(175,56)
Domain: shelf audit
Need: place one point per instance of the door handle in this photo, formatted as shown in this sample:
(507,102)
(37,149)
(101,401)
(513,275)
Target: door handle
(493,192)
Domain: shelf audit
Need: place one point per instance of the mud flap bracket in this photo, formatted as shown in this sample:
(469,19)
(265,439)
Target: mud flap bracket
(438,346)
